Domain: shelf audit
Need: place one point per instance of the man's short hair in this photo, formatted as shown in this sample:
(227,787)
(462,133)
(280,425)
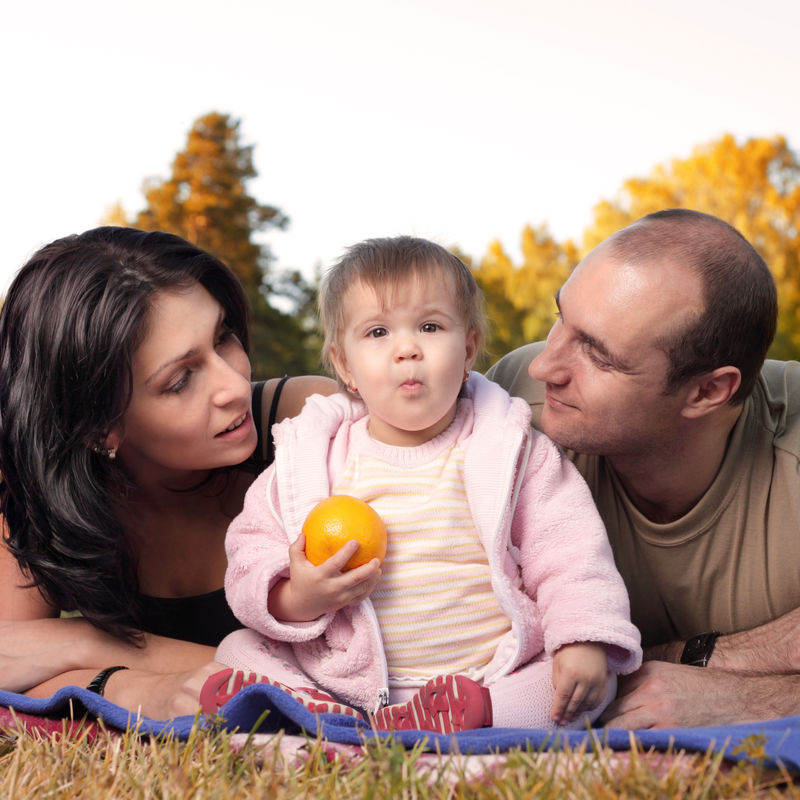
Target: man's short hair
(740,304)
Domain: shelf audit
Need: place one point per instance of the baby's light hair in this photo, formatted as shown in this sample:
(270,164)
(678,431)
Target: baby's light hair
(383,264)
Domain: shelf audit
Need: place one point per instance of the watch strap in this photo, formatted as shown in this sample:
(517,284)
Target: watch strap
(98,683)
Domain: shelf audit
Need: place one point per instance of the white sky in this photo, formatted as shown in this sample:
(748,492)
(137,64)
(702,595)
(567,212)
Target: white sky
(458,120)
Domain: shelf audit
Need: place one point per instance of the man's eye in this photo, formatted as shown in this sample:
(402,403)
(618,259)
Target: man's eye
(600,363)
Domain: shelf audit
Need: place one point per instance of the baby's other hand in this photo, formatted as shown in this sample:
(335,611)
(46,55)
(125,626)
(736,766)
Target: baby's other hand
(580,677)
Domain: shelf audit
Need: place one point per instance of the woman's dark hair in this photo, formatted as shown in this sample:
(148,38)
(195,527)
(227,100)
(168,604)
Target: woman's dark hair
(70,324)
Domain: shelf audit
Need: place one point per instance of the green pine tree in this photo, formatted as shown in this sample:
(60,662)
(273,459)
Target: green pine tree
(206,201)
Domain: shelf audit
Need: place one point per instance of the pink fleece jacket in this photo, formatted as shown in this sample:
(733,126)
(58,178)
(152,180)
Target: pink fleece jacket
(552,567)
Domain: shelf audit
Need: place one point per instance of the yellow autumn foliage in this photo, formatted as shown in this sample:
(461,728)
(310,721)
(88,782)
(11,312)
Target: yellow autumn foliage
(755,186)
(520,299)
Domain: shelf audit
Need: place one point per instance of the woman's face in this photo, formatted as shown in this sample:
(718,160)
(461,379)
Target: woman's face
(190,407)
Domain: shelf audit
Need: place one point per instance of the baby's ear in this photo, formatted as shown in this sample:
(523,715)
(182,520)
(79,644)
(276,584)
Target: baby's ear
(337,358)
(473,346)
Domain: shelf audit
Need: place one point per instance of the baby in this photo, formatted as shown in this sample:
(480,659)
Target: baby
(498,602)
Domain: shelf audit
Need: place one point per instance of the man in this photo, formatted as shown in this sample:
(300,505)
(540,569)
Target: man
(652,380)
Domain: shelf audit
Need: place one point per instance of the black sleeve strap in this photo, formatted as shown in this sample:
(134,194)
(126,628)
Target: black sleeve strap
(273,412)
(258,453)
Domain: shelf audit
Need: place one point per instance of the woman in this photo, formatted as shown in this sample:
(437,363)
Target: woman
(129,433)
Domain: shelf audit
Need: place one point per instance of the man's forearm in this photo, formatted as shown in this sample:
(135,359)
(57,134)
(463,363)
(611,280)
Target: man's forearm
(669,651)
(772,648)
(661,695)
(766,696)
(731,698)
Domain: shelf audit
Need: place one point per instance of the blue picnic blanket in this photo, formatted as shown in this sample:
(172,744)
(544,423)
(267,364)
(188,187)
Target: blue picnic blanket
(781,737)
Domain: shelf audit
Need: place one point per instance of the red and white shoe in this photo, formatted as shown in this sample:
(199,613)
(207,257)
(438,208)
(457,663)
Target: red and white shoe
(223,685)
(445,704)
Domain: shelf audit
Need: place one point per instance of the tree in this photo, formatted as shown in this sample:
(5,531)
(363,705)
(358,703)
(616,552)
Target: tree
(520,301)
(754,186)
(206,201)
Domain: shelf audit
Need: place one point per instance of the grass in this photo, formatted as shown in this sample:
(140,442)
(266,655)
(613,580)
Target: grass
(219,765)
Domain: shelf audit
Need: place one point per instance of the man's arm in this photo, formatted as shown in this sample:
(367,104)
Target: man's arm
(661,695)
(751,676)
(772,648)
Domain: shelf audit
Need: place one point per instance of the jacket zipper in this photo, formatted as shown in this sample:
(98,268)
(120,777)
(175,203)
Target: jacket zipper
(382,698)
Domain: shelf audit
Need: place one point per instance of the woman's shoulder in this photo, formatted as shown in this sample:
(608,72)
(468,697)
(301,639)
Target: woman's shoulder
(293,394)
(276,400)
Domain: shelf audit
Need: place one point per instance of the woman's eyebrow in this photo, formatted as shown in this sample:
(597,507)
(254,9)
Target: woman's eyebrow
(171,362)
(190,353)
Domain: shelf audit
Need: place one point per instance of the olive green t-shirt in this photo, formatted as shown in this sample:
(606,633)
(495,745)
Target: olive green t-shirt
(733,561)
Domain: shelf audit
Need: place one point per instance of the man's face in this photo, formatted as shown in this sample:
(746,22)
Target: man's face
(605,374)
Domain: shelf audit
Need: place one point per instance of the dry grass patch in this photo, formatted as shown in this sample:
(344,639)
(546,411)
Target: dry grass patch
(219,765)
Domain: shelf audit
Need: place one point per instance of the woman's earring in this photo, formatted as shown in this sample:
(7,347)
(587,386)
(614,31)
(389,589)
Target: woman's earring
(110,453)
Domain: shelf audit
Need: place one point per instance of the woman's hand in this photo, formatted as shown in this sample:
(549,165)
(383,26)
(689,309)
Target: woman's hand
(311,591)
(580,676)
(157,695)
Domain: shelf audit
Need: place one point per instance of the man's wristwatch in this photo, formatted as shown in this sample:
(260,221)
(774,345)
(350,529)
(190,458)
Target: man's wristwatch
(697,650)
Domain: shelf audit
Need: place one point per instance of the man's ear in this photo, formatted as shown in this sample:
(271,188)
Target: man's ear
(711,391)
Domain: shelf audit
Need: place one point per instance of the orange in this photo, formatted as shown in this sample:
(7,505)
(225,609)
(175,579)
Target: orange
(335,521)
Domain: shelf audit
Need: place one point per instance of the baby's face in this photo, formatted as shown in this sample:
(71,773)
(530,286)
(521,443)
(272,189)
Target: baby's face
(406,353)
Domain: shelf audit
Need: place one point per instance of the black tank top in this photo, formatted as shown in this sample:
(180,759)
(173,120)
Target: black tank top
(206,618)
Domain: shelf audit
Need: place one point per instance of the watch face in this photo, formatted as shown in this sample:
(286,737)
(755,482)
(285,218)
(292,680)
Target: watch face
(698,649)
(693,651)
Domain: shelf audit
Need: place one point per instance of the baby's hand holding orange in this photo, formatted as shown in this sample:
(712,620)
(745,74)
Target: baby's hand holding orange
(339,519)
(310,591)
